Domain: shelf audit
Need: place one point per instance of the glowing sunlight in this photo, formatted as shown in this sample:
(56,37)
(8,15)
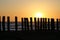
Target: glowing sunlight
(38,15)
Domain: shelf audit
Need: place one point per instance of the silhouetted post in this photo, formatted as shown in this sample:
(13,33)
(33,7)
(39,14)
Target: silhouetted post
(52,24)
(48,24)
(43,24)
(8,23)
(40,23)
(35,23)
(16,23)
(3,23)
(27,24)
(0,23)
(31,23)
(57,24)
(22,23)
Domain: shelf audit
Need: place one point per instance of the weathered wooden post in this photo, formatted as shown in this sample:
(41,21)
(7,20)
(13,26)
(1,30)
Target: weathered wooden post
(52,24)
(3,23)
(27,24)
(35,23)
(22,23)
(48,24)
(41,24)
(16,23)
(31,23)
(38,24)
(57,24)
(0,23)
(8,23)
(45,23)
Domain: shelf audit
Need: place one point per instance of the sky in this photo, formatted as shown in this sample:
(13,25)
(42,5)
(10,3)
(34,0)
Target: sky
(28,8)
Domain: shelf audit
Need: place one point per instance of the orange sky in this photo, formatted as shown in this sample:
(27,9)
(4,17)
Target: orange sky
(28,8)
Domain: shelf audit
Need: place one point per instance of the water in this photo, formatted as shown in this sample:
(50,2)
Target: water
(12,27)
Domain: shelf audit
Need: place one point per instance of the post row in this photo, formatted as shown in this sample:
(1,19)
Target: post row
(39,24)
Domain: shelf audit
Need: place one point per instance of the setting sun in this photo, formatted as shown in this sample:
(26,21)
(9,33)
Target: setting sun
(39,15)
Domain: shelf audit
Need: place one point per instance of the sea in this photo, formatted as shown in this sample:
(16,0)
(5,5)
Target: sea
(19,27)
(12,27)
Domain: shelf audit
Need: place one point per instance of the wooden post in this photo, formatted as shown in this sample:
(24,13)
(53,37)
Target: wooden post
(57,24)
(40,23)
(16,23)
(35,23)
(0,23)
(52,24)
(45,23)
(27,24)
(22,24)
(8,23)
(31,23)
(3,23)
(48,24)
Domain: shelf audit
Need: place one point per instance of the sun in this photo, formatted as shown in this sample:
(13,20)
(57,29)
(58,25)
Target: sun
(38,15)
